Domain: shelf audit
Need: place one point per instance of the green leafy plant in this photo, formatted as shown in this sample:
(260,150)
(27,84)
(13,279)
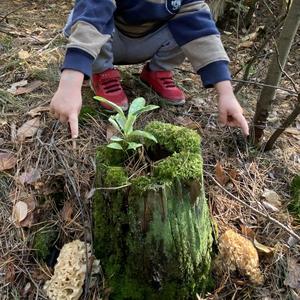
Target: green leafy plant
(129,138)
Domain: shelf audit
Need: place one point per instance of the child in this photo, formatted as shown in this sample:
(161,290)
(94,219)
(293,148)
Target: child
(104,33)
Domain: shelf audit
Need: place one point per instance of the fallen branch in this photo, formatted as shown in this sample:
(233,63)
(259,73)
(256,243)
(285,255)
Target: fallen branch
(268,217)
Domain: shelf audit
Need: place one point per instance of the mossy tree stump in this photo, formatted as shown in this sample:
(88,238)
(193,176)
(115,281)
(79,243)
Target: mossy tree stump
(153,233)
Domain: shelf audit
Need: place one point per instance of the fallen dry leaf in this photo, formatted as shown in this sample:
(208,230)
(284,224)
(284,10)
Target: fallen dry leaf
(10,273)
(14,86)
(28,88)
(293,131)
(28,129)
(67,211)
(7,161)
(262,248)
(110,132)
(247,231)
(38,110)
(220,174)
(244,45)
(270,207)
(272,198)
(23,54)
(186,122)
(20,212)
(30,177)
(293,274)
(31,203)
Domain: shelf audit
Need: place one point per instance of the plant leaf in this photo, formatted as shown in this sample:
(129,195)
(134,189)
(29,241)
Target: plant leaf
(114,123)
(116,107)
(136,105)
(146,108)
(129,124)
(144,134)
(120,120)
(116,139)
(116,146)
(133,145)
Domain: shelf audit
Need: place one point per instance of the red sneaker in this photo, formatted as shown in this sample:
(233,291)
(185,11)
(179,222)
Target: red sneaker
(163,84)
(107,85)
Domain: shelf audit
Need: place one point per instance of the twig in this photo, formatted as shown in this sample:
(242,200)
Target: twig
(284,72)
(255,56)
(113,188)
(288,121)
(249,82)
(11,12)
(266,85)
(284,227)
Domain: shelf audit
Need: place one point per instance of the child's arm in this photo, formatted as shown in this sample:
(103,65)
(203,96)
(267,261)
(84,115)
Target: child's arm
(196,33)
(92,25)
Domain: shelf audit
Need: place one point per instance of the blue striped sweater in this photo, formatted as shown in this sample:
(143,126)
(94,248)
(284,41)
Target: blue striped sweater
(189,21)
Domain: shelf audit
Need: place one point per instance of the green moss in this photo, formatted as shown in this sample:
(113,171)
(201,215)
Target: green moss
(182,166)
(110,157)
(141,184)
(294,206)
(43,241)
(175,138)
(86,113)
(115,176)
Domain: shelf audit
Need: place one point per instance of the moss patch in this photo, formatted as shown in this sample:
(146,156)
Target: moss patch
(175,138)
(182,166)
(115,176)
(43,241)
(86,113)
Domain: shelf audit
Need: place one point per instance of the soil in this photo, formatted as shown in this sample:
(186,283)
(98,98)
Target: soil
(32,48)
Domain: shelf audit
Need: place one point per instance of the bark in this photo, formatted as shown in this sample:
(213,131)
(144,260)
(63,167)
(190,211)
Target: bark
(279,60)
(154,237)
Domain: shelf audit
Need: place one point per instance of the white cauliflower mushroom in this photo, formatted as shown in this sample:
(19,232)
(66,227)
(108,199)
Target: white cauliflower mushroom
(69,272)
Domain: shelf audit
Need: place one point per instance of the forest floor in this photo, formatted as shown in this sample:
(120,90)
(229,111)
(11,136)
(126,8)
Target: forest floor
(54,174)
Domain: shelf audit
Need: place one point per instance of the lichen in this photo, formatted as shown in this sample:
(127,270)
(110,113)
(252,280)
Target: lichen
(294,206)
(182,166)
(43,241)
(175,138)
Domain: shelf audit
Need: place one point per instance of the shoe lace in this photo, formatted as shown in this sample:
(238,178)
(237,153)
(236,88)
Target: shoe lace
(111,85)
(168,82)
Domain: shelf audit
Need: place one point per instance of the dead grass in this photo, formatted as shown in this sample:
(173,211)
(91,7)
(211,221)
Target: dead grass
(68,171)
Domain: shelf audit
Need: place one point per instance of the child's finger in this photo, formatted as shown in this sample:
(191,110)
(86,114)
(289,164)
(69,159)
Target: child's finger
(223,117)
(73,121)
(243,124)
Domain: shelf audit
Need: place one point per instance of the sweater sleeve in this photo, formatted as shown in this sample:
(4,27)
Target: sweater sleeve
(196,33)
(91,27)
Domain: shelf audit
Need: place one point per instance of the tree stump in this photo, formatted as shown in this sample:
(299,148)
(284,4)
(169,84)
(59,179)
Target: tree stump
(153,233)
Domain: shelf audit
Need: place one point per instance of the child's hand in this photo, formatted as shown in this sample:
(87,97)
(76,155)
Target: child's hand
(230,111)
(66,102)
